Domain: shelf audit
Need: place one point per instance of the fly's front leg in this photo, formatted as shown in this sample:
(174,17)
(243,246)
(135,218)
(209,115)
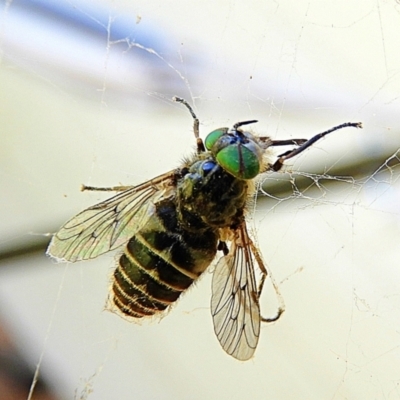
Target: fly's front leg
(305,144)
(196,123)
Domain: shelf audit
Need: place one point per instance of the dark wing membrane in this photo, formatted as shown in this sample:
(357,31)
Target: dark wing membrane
(109,224)
(234,303)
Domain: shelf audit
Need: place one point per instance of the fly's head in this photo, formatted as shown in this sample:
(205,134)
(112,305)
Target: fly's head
(238,152)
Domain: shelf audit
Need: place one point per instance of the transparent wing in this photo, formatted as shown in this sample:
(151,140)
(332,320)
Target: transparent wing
(234,303)
(111,223)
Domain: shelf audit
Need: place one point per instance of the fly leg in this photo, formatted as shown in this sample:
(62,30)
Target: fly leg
(304,144)
(264,272)
(199,141)
(105,189)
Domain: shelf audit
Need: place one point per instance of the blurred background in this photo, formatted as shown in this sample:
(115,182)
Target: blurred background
(85,97)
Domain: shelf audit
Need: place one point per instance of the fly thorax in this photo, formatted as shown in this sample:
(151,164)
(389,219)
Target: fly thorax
(209,196)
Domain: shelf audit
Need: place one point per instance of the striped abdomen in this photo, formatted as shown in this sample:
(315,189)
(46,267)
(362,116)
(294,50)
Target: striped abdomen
(160,262)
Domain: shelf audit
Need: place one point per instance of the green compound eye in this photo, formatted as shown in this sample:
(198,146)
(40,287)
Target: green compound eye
(239,161)
(213,136)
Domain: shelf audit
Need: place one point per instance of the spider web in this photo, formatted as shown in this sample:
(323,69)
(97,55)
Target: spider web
(87,99)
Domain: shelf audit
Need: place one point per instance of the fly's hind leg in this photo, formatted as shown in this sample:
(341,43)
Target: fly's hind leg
(264,274)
